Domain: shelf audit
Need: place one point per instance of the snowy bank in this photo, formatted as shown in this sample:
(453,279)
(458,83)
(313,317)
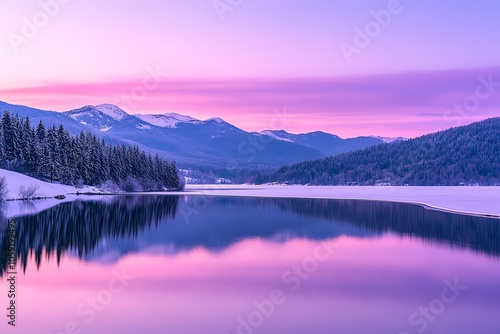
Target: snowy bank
(45,189)
(15,180)
(484,201)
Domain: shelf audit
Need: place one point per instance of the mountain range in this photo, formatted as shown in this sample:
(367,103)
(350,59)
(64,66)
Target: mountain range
(212,144)
(467,155)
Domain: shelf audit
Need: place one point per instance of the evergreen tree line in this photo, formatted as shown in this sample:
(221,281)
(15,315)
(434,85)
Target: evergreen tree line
(54,155)
(465,155)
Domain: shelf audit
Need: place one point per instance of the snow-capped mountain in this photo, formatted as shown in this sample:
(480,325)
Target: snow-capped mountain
(389,139)
(112,111)
(216,120)
(326,143)
(278,135)
(106,116)
(168,120)
(189,141)
(210,144)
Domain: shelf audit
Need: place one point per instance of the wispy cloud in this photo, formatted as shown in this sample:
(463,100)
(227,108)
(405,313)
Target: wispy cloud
(411,103)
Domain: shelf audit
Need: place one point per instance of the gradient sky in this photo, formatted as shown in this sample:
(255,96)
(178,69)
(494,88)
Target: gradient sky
(267,60)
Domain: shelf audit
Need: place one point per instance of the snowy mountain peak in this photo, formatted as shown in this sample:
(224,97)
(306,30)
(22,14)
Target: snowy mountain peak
(102,117)
(182,118)
(277,134)
(389,139)
(111,110)
(216,120)
(168,120)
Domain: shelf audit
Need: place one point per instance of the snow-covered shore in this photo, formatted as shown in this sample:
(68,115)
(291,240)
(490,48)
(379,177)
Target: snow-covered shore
(45,189)
(11,209)
(484,201)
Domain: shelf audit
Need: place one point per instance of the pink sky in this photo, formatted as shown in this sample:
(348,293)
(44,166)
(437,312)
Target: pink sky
(265,55)
(406,104)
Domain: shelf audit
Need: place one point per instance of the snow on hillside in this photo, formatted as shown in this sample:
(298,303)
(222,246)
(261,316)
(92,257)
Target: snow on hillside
(143,127)
(271,134)
(79,114)
(169,120)
(216,120)
(182,118)
(112,111)
(389,139)
(20,208)
(16,180)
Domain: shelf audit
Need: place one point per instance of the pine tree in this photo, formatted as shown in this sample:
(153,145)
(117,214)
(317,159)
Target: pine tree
(54,154)
(33,157)
(63,141)
(9,138)
(17,135)
(25,138)
(43,163)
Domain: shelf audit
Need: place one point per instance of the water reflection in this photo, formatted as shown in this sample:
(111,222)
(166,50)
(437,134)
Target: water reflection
(107,230)
(467,232)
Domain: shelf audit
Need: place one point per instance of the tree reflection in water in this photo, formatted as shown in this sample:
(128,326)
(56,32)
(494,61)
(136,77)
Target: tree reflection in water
(79,228)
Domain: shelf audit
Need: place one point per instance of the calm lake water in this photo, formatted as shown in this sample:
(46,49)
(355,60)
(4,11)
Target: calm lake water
(182,265)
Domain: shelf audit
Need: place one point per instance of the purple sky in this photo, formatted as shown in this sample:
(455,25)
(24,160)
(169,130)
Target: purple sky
(298,65)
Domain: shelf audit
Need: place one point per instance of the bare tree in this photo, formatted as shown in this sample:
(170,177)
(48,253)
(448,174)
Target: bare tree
(29,192)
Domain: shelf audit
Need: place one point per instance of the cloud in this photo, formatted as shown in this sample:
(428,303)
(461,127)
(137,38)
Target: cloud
(414,99)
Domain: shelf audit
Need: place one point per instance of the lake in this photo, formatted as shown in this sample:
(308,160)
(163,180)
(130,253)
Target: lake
(225,265)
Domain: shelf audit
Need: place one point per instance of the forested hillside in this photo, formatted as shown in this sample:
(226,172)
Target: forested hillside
(464,155)
(54,155)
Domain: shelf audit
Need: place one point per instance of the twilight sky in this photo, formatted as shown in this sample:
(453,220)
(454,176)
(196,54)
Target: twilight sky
(301,65)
